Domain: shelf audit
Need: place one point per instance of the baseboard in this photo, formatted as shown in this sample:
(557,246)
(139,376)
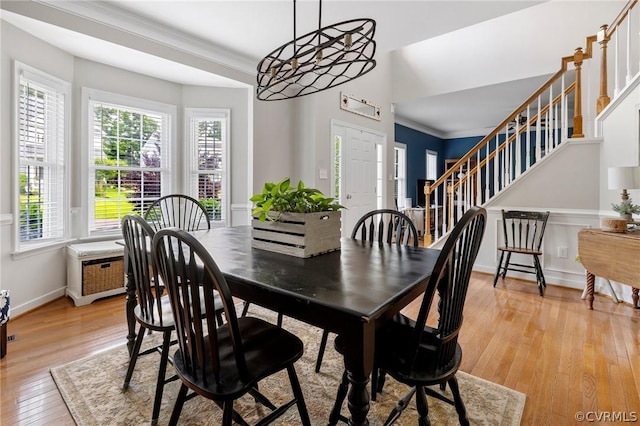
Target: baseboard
(36,303)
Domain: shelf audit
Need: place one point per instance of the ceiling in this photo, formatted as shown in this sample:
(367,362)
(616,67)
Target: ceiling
(242,32)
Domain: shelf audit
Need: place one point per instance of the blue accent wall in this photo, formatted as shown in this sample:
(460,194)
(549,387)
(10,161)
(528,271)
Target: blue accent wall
(458,147)
(417,143)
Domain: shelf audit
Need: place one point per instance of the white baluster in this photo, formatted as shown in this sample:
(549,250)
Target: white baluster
(629,76)
(538,134)
(563,106)
(616,89)
(487,191)
(528,140)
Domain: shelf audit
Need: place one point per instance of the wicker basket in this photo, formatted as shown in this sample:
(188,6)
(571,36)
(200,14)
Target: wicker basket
(102,274)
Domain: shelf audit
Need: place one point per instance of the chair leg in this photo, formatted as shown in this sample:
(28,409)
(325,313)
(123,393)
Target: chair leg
(177,407)
(422,407)
(381,379)
(539,275)
(374,382)
(245,309)
(133,358)
(495,279)
(162,371)
(3,339)
(342,394)
(506,265)
(460,409)
(279,321)
(297,392)
(323,345)
(219,318)
(400,406)
(227,413)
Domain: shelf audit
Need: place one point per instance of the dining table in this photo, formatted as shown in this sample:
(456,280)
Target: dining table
(351,291)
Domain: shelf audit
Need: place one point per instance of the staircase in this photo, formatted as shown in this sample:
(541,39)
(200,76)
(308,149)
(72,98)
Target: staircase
(534,130)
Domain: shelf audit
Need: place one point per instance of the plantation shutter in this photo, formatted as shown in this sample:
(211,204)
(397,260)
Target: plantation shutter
(208,136)
(128,162)
(41,151)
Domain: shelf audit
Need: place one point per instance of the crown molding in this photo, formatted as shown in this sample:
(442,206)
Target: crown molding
(107,14)
(419,127)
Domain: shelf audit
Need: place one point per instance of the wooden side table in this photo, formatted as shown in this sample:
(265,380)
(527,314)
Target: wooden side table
(611,255)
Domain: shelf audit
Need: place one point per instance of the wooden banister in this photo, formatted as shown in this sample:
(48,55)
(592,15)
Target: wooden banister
(509,150)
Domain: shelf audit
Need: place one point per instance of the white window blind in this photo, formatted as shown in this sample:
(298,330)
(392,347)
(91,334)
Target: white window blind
(128,161)
(41,157)
(400,173)
(432,165)
(208,160)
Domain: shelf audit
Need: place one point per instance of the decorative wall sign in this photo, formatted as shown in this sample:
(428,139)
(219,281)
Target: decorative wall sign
(359,106)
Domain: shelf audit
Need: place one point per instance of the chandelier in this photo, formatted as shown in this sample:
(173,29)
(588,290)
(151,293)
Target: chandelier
(316,61)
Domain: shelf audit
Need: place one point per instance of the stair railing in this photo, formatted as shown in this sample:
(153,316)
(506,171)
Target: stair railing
(552,114)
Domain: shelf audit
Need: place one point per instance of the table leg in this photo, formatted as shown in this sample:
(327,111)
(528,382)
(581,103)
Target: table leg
(130,302)
(358,359)
(635,296)
(591,280)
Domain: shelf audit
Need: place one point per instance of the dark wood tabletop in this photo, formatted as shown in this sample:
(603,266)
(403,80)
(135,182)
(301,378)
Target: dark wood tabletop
(351,291)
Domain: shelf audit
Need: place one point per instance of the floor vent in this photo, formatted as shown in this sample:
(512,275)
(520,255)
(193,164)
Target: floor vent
(12,338)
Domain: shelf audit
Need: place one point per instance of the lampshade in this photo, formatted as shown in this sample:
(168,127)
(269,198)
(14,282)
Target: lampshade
(624,177)
(327,57)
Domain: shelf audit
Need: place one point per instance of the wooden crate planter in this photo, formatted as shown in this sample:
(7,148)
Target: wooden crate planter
(298,234)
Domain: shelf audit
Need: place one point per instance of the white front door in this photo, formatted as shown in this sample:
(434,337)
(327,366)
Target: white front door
(359,171)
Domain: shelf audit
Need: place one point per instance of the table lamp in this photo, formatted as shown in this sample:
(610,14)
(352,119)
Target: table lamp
(624,178)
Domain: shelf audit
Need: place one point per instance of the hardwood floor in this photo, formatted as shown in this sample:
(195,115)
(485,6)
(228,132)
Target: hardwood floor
(564,357)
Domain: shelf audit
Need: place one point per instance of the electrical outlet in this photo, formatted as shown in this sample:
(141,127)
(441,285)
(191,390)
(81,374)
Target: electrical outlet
(563,252)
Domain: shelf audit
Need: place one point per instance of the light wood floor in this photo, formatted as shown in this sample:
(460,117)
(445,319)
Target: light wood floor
(564,357)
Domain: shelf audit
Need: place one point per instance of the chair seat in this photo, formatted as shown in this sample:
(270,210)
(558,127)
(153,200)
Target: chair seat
(163,319)
(392,340)
(268,349)
(395,357)
(521,250)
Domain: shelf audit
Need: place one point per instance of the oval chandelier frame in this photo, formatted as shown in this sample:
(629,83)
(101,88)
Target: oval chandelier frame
(319,60)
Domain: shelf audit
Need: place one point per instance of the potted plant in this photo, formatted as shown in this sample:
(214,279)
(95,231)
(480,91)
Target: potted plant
(626,209)
(295,220)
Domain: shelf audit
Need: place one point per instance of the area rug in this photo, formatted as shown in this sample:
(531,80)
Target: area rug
(92,389)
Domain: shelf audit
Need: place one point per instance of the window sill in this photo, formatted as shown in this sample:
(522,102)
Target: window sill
(39,249)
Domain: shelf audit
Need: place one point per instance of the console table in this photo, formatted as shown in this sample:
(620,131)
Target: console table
(610,255)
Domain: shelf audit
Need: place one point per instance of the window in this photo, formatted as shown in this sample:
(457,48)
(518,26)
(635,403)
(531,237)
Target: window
(42,133)
(337,170)
(129,153)
(208,159)
(432,166)
(400,173)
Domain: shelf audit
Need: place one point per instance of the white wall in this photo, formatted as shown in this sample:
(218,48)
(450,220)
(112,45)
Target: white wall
(39,277)
(620,125)
(568,189)
(312,145)
(454,64)
(36,279)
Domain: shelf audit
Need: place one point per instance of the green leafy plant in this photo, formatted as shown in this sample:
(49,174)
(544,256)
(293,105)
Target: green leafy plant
(626,207)
(283,197)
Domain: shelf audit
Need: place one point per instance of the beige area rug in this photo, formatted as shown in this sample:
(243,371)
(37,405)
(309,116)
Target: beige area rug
(91,388)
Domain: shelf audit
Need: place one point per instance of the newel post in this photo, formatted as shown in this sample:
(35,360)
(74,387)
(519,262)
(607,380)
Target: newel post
(604,99)
(578,57)
(427,214)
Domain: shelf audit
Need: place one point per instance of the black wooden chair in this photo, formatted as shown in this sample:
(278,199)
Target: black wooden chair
(382,226)
(177,210)
(419,355)
(220,362)
(153,311)
(522,232)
